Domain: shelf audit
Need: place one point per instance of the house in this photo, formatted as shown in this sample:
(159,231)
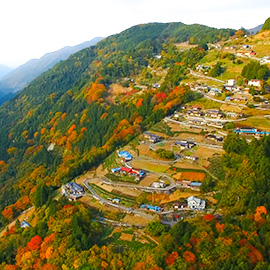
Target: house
(214,114)
(25,224)
(152,137)
(196,122)
(156,85)
(194,112)
(72,190)
(265,60)
(179,205)
(158,185)
(125,155)
(133,172)
(214,137)
(195,203)
(215,124)
(231,82)
(232,114)
(256,83)
(214,91)
(195,185)
(191,158)
(116,200)
(251,131)
(185,144)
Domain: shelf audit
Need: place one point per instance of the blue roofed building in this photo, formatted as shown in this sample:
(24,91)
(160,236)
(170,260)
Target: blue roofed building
(25,224)
(125,155)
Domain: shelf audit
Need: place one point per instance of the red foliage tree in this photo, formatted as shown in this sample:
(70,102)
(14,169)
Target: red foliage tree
(171,258)
(35,243)
(189,257)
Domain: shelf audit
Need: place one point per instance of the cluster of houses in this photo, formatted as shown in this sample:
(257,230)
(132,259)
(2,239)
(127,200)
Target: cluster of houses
(138,174)
(196,111)
(72,190)
(152,137)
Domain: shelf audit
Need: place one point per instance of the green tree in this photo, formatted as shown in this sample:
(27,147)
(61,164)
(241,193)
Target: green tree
(155,228)
(40,196)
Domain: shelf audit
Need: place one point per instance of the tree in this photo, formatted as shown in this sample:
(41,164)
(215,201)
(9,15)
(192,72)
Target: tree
(234,144)
(216,70)
(40,196)
(155,228)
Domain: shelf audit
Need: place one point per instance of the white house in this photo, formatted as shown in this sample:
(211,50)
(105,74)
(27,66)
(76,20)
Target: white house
(231,82)
(195,203)
(256,83)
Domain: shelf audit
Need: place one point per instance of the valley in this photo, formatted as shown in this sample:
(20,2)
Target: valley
(149,150)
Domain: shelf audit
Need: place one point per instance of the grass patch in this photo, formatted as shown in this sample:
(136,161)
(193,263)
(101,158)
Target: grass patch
(162,127)
(126,198)
(121,178)
(176,169)
(110,162)
(154,168)
(261,123)
(206,103)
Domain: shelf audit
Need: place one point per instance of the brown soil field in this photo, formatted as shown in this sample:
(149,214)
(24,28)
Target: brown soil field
(80,179)
(204,152)
(99,170)
(185,165)
(134,219)
(128,191)
(187,136)
(148,180)
(126,237)
(254,112)
(143,149)
(192,176)
(175,196)
(230,108)
(178,127)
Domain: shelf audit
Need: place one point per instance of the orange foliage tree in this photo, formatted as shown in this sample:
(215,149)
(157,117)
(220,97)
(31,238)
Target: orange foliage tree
(35,243)
(189,257)
(258,215)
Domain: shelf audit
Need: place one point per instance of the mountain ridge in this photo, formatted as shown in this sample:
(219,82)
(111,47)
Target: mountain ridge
(18,78)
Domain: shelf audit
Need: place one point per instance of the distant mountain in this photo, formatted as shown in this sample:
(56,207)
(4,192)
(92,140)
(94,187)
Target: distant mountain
(4,70)
(255,30)
(24,74)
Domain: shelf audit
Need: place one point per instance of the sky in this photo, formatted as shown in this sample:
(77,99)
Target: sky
(31,28)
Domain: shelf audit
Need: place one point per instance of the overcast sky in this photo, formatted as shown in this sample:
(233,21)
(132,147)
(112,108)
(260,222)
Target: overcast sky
(31,28)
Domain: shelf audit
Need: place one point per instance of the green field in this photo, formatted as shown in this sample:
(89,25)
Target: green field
(258,122)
